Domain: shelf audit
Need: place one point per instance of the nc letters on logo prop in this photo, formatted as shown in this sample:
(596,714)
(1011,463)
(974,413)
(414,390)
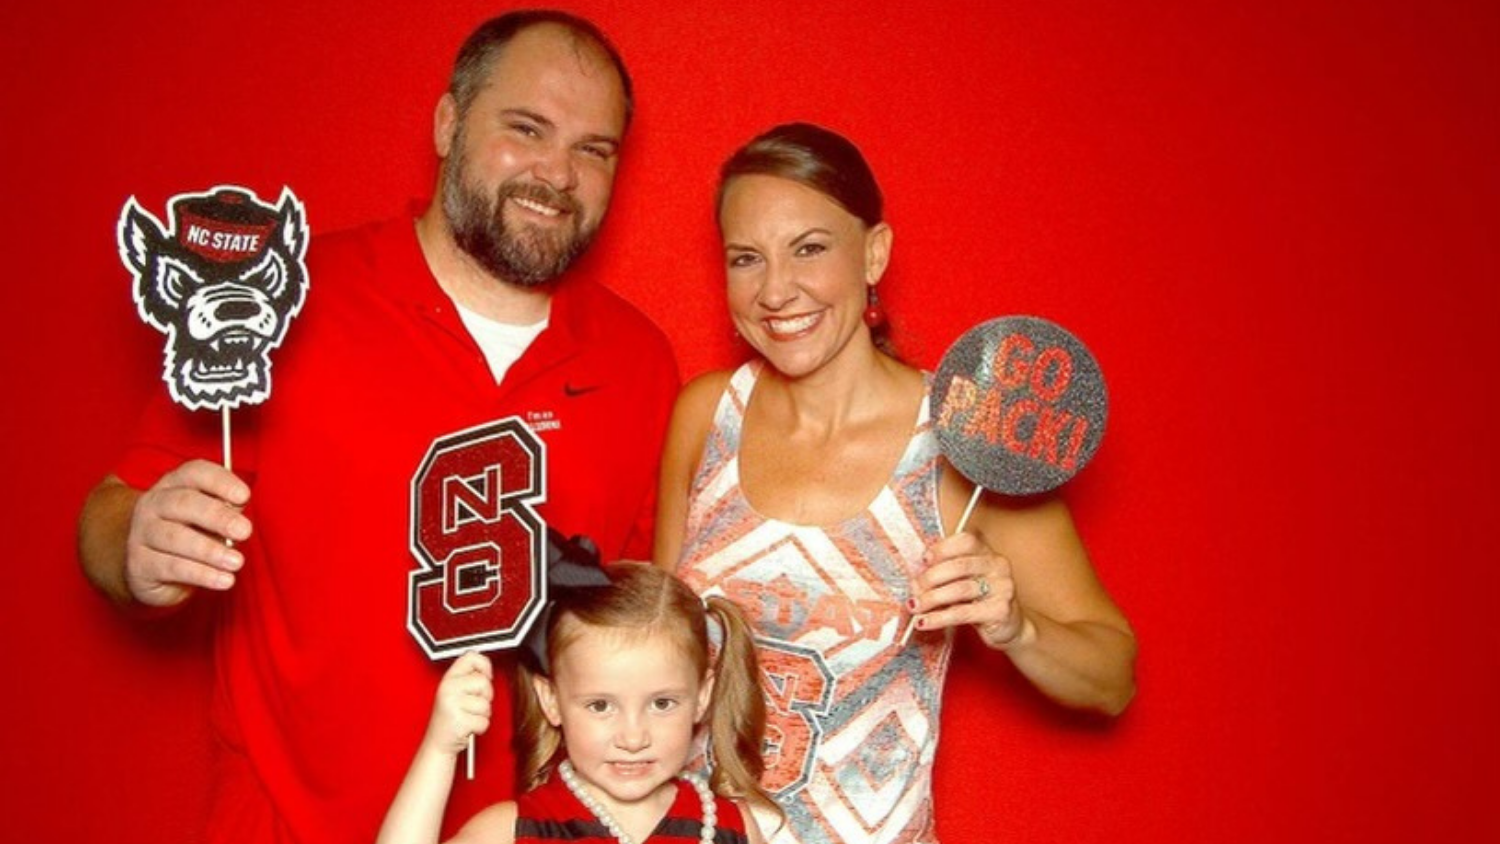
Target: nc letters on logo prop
(480,543)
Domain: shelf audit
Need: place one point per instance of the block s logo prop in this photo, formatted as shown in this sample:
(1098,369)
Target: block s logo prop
(481,546)
(223,281)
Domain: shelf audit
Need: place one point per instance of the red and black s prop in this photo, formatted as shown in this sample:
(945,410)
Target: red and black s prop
(481,581)
(475,532)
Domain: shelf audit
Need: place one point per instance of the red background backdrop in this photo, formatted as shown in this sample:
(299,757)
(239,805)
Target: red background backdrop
(1275,224)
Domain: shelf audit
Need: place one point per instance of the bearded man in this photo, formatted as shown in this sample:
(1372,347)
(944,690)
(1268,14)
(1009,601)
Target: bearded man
(417,336)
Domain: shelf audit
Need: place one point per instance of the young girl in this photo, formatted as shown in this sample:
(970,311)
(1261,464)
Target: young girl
(607,711)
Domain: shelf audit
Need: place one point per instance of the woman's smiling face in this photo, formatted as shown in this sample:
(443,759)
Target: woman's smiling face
(798,267)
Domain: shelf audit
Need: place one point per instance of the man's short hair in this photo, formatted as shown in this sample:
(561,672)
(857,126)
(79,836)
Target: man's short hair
(484,44)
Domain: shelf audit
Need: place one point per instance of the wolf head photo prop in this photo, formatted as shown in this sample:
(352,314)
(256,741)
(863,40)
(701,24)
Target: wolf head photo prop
(222,281)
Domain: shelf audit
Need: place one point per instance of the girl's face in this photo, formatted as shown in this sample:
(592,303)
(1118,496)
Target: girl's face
(627,706)
(798,267)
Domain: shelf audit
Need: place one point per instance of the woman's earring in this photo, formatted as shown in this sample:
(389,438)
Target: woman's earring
(874,313)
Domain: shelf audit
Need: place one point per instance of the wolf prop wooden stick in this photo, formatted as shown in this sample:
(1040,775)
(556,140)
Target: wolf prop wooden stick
(1019,407)
(222,280)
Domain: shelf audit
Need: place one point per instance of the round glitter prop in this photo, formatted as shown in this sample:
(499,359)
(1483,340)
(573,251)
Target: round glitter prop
(1020,405)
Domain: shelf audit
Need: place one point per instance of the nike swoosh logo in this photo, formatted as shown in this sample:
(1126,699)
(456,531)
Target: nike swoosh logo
(573,392)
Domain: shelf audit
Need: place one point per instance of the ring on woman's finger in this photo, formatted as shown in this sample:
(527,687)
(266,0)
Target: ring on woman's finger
(984,587)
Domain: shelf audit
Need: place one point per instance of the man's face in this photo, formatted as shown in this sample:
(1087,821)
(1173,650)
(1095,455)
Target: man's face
(530,165)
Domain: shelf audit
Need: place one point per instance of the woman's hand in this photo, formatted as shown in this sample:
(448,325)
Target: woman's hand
(964,582)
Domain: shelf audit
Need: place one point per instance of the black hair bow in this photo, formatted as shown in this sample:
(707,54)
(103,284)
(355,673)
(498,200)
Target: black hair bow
(572,563)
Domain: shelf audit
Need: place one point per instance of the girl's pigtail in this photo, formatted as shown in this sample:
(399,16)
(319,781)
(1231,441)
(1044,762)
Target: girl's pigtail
(737,709)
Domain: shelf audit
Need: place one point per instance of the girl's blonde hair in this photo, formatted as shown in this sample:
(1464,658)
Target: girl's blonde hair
(642,598)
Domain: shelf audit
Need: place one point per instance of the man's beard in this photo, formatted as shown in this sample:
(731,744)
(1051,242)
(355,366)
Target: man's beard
(529,257)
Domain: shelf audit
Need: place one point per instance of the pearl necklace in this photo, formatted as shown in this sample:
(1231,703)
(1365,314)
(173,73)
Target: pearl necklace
(705,796)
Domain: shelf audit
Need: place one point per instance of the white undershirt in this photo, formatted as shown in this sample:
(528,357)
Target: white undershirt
(501,342)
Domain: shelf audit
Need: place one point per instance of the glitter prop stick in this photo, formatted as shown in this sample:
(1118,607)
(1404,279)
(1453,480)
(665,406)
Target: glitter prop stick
(1020,408)
(222,282)
(481,548)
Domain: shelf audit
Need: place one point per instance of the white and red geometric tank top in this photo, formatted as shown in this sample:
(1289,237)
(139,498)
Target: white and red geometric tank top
(853,715)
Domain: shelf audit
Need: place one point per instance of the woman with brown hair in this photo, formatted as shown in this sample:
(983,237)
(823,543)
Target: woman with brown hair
(808,487)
